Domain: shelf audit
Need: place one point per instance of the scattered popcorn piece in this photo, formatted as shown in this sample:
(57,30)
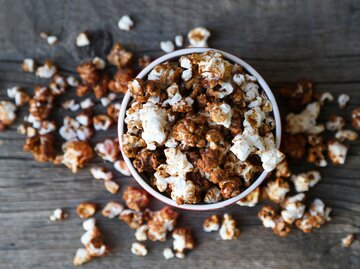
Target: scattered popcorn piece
(198,37)
(19,95)
(348,240)
(228,229)
(161,222)
(108,150)
(82,40)
(267,216)
(251,199)
(281,227)
(304,181)
(47,70)
(85,210)
(87,103)
(82,256)
(355,118)
(72,81)
(167,46)
(101,173)
(111,186)
(7,114)
(135,198)
(125,23)
(51,39)
(96,247)
(293,208)
(337,152)
(183,240)
(138,249)
(89,224)
(343,135)
(112,209)
(212,223)
(141,233)
(102,122)
(28,65)
(179,40)
(326,96)
(168,253)
(277,189)
(70,105)
(335,123)
(84,119)
(99,63)
(213,195)
(58,214)
(121,167)
(342,100)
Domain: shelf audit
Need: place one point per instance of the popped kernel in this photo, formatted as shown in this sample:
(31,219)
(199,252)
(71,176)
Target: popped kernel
(125,23)
(198,37)
(135,198)
(138,249)
(337,152)
(304,181)
(212,223)
(85,210)
(112,210)
(228,229)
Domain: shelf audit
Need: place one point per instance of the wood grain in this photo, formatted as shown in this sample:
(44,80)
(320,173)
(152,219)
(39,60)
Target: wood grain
(283,40)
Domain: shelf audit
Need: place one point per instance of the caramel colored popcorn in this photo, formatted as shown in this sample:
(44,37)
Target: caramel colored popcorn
(7,114)
(132,218)
(298,95)
(112,210)
(119,56)
(355,118)
(160,223)
(41,146)
(277,189)
(335,123)
(76,154)
(337,152)
(228,229)
(212,223)
(198,37)
(108,150)
(86,210)
(347,241)
(58,215)
(251,199)
(135,199)
(119,84)
(183,240)
(304,181)
(294,146)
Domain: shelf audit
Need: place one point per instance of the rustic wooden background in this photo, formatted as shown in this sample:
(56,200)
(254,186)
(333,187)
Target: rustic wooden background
(283,40)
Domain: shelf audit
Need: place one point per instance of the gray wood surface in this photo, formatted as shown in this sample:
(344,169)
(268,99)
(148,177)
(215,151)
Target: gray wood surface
(283,40)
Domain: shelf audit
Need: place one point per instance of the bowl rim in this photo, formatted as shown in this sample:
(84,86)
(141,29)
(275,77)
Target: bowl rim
(158,195)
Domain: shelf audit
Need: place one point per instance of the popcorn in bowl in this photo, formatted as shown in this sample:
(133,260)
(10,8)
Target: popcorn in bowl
(191,120)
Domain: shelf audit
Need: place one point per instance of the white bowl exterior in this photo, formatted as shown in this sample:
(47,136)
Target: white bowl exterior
(157,194)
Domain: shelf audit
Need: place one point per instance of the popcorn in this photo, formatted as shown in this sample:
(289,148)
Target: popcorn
(168,253)
(335,123)
(294,146)
(102,122)
(28,65)
(19,95)
(7,114)
(355,118)
(58,215)
(348,240)
(70,105)
(160,223)
(179,40)
(121,167)
(337,152)
(183,240)
(99,63)
(72,81)
(277,189)
(213,195)
(138,249)
(293,208)
(212,223)
(47,70)
(85,210)
(119,56)
(343,135)
(342,100)
(76,154)
(304,181)
(111,186)
(281,227)
(267,216)
(82,40)
(112,209)
(135,199)
(228,229)
(86,104)
(198,37)
(125,23)
(133,218)
(141,233)
(298,95)
(108,150)
(167,46)
(220,113)
(82,256)
(251,199)
(305,122)
(326,96)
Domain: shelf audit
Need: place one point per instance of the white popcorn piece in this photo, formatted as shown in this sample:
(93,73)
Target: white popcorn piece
(112,210)
(83,133)
(83,119)
(221,114)
(179,40)
(19,95)
(342,100)
(47,70)
(138,249)
(122,168)
(347,240)
(326,97)
(167,46)
(99,63)
(102,122)
(100,173)
(277,189)
(51,40)
(251,199)
(111,186)
(82,256)
(72,81)
(87,103)
(213,195)
(293,208)
(28,65)
(58,215)
(228,229)
(305,122)
(211,224)
(89,224)
(318,208)
(125,23)
(168,253)
(47,127)
(337,152)
(70,105)
(141,233)
(96,250)
(225,89)
(343,135)
(238,79)
(107,150)
(270,158)
(304,181)
(82,40)
(198,37)
(90,234)
(335,123)
(187,65)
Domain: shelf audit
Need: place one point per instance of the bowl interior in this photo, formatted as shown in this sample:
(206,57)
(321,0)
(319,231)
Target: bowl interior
(143,182)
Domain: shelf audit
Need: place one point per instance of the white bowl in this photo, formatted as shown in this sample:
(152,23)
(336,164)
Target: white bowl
(145,184)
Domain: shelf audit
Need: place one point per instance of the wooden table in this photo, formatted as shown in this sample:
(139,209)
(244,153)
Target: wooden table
(283,40)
